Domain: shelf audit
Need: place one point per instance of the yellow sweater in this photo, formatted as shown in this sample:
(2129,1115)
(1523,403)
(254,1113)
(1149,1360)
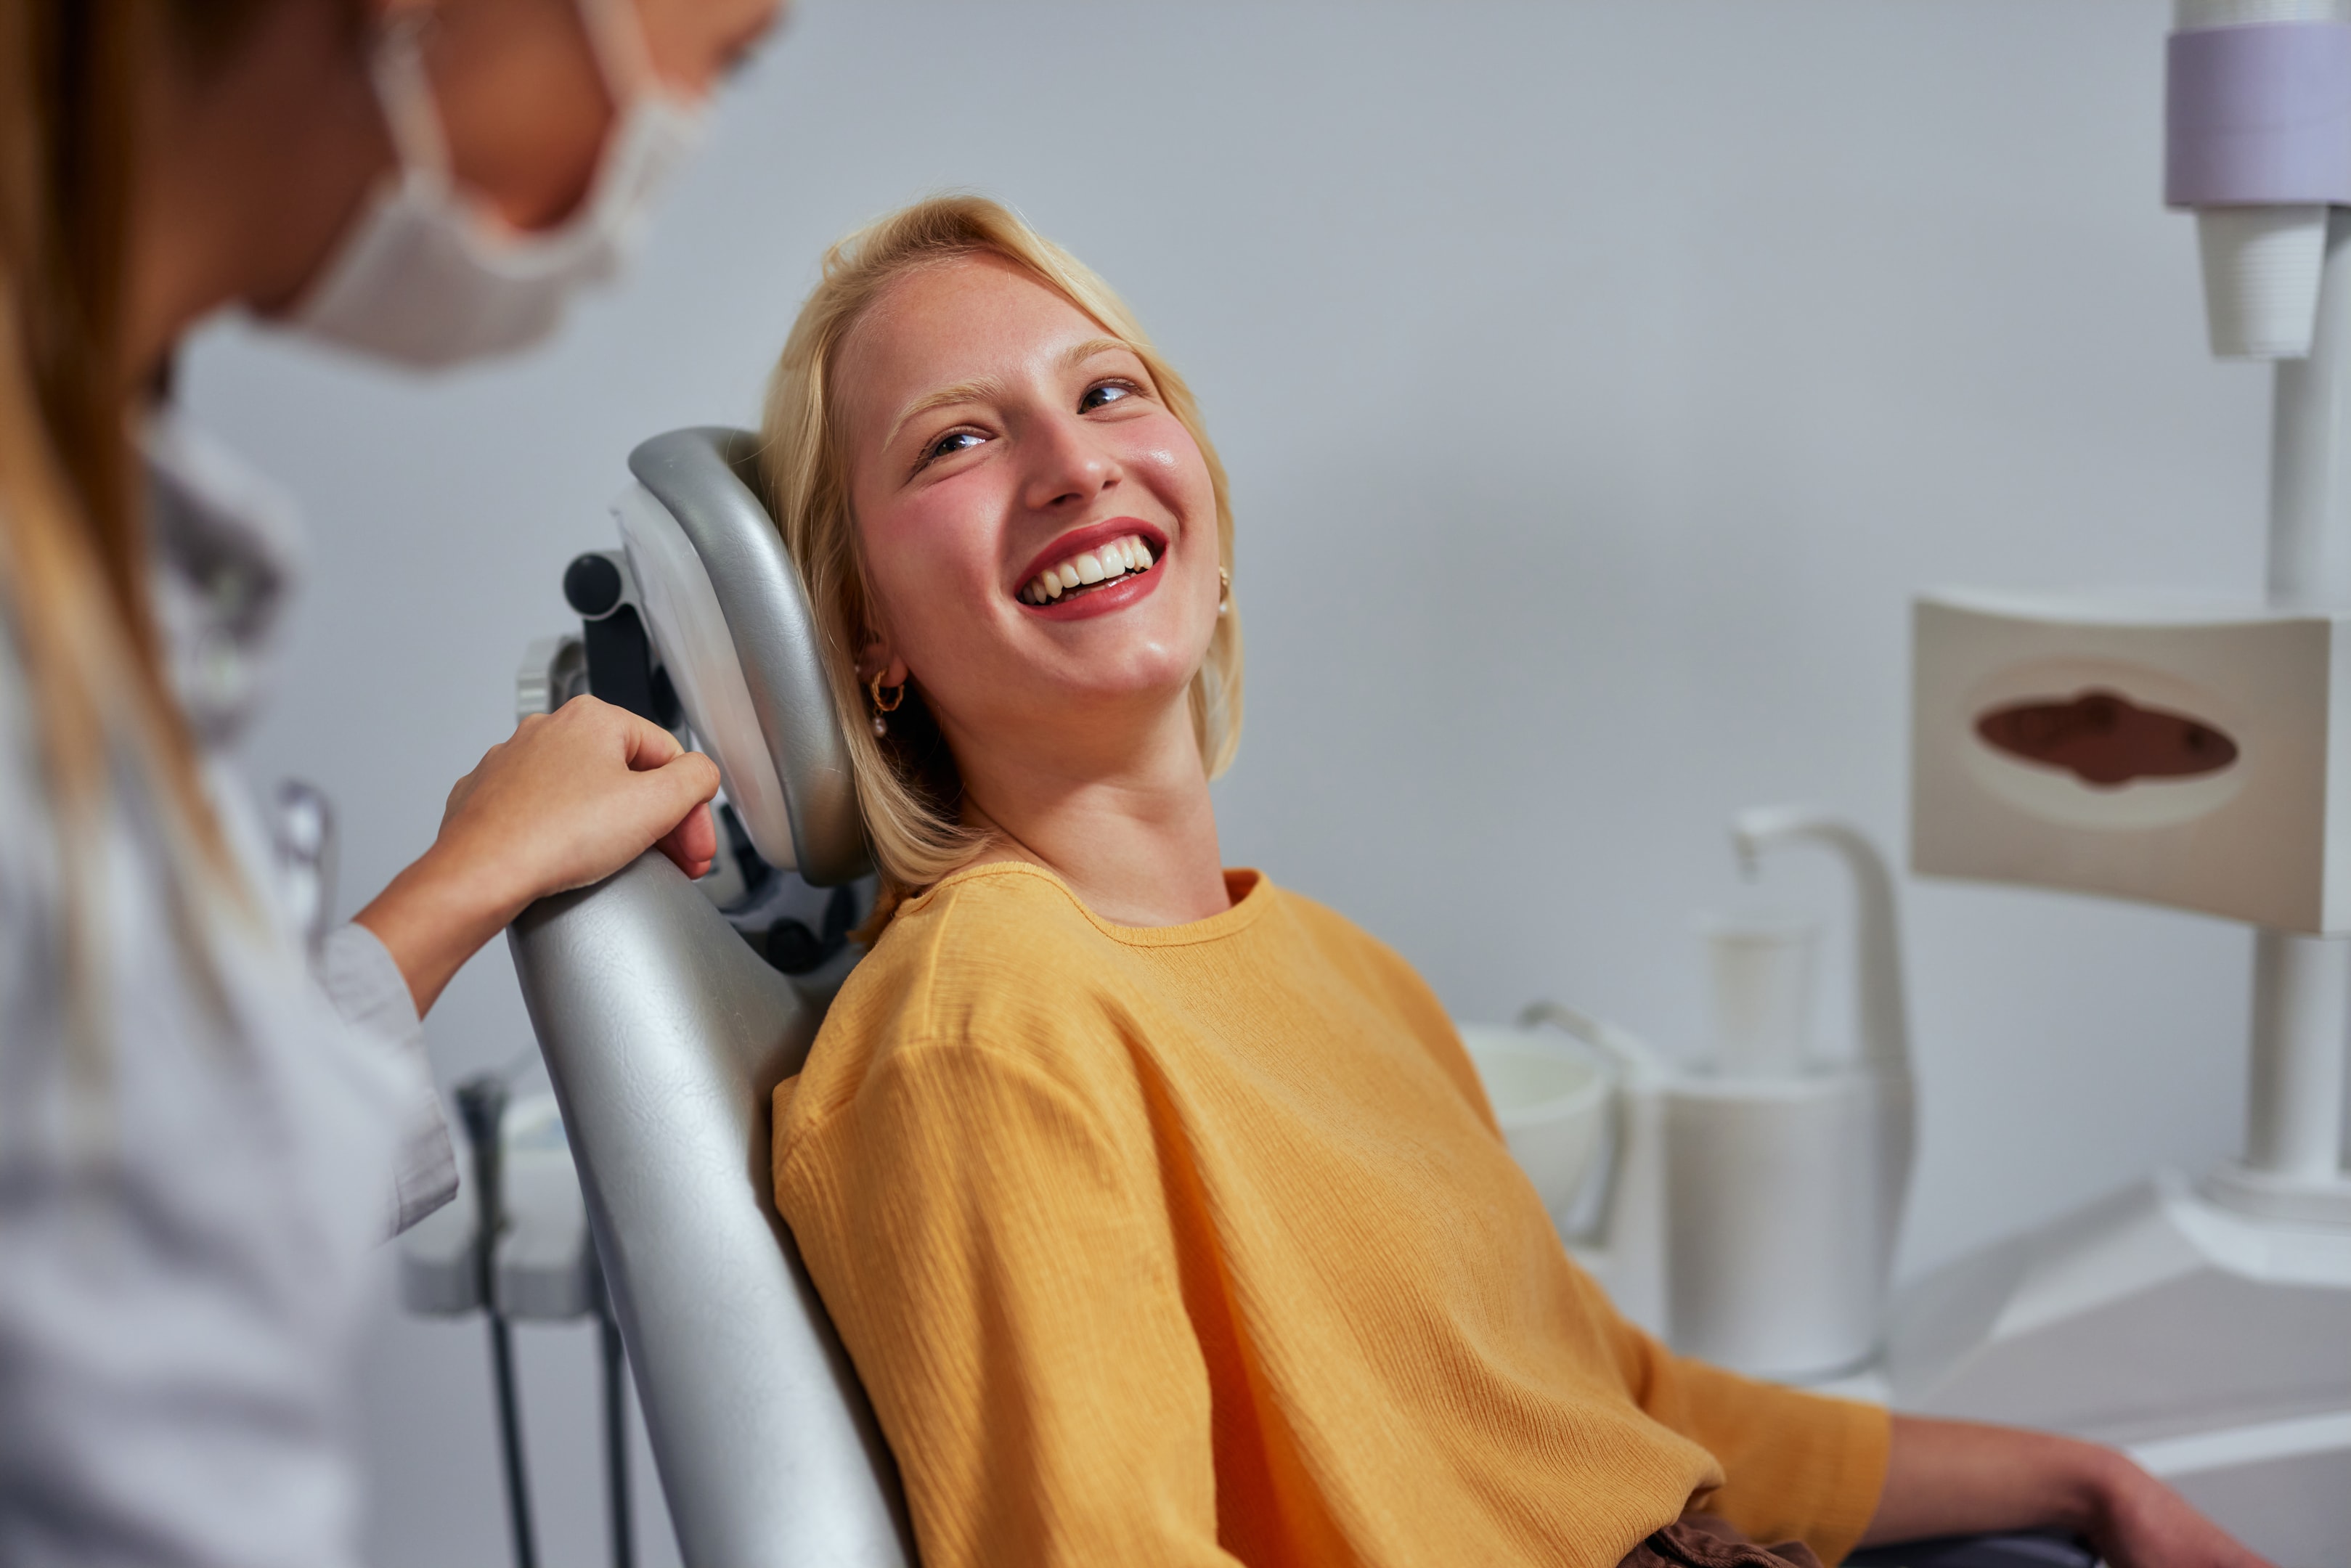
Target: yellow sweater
(1197,1243)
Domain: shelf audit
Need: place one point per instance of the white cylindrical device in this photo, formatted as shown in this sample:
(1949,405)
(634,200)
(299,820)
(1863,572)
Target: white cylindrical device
(2258,143)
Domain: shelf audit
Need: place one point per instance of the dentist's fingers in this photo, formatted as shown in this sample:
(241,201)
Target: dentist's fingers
(568,800)
(693,843)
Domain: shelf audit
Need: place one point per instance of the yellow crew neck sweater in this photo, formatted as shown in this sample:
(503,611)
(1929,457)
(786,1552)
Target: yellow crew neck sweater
(1198,1244)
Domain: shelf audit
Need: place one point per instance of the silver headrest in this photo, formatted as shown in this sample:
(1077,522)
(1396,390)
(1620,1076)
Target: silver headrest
(730,619)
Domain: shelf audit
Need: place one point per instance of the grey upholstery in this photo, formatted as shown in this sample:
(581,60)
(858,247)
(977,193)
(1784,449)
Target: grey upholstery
(707,478)
(665,1034)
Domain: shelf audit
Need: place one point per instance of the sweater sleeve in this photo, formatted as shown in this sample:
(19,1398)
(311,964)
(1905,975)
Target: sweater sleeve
(1002,1271)
(1796,1466)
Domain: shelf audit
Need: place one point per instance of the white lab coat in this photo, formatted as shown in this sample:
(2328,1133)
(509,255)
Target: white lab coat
(190,1216)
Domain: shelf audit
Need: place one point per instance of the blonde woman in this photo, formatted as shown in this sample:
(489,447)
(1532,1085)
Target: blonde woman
(1160,1208)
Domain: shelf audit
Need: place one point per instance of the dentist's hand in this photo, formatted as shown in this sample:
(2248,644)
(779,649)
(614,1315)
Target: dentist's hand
(570,798)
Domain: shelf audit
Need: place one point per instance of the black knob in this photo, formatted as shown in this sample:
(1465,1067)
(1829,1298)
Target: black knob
(592,585)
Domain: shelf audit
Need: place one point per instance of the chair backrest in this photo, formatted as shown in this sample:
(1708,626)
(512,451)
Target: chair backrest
(665,1034)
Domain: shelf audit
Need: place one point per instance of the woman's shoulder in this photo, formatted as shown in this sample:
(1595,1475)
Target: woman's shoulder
(999,962)
(977,935)
(1345,943)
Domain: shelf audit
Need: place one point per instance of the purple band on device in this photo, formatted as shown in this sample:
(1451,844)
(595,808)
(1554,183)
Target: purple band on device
(2258,116)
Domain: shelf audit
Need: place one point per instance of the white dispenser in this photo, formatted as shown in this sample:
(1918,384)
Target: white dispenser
(1785,1175)
(1753,1205)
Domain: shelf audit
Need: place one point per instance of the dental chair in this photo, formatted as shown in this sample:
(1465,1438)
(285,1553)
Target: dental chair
(664,1030)
(668,1012)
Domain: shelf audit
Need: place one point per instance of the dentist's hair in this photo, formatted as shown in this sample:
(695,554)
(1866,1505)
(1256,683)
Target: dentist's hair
(906,782)
(74,563)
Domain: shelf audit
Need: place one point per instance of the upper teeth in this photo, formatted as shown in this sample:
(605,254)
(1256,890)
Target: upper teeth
(1097,564)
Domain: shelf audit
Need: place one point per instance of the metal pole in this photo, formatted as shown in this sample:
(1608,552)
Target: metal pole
(2301,984)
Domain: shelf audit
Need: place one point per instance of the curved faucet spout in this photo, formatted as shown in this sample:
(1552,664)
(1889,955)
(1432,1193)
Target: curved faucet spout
(1885,1019)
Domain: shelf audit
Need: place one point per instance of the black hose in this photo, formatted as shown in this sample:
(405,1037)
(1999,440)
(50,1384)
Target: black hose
(481,1107)
(510,1441)
(616,1443)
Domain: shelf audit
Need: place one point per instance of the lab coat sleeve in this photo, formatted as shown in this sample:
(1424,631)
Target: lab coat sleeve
(1796,1466)
(367,989)
(1001,1266)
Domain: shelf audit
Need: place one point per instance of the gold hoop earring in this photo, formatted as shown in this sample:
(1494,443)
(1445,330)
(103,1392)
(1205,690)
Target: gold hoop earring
(1224,591)
(881,724)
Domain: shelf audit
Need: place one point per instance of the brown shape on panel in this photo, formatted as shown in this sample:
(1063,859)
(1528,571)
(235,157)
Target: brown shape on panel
(2104,739)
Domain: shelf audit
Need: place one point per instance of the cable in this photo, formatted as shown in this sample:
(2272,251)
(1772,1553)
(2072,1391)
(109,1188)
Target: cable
(481,1109)
(510,1441)
(616,1440)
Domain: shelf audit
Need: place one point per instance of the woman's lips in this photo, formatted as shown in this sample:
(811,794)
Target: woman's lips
(1094,570)
(1102,600)
(1079,541)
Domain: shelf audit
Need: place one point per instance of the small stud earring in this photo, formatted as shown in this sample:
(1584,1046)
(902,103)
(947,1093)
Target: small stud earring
(1224,591)
(898,695)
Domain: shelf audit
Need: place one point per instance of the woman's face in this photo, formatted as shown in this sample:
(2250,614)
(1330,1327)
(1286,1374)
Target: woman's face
(1039,530)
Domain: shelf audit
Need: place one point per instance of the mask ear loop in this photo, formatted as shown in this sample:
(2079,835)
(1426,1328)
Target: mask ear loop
(616,34)
(403,92)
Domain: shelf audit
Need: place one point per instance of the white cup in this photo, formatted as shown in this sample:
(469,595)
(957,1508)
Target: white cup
(1760,968)
(2261,269)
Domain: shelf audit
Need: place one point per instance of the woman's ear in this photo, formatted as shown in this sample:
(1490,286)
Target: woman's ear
(876,658)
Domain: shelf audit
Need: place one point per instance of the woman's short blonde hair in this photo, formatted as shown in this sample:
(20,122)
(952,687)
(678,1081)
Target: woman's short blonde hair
(906,780)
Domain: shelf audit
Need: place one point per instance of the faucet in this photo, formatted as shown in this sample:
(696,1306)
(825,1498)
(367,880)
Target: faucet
(1883,1015)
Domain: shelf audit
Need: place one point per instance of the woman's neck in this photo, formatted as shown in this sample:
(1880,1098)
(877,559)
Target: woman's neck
(1135,839)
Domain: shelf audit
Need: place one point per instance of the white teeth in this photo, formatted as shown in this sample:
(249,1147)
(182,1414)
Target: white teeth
(1088,566)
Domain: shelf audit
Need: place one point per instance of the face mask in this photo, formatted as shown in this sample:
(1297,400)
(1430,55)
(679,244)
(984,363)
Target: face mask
(427,277)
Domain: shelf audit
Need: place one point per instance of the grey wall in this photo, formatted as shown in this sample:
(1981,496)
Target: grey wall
(1597,380)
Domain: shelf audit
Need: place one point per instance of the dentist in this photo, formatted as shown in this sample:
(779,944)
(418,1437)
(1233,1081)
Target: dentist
(213,1106)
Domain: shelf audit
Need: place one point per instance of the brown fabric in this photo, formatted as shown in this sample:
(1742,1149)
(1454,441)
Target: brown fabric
(1702,1541)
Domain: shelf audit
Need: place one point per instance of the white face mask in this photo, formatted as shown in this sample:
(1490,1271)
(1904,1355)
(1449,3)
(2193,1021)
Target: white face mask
(428,277)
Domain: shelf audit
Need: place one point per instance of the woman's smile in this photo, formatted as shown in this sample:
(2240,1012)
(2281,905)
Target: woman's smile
(1094,570)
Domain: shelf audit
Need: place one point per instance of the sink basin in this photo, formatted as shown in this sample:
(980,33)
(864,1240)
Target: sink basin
(1550,1096)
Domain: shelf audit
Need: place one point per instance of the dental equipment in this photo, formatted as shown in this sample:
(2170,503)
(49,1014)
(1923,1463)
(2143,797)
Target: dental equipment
(481,1111)
(1759,1203)
(532,1263)
(666,1022)
(2191,756)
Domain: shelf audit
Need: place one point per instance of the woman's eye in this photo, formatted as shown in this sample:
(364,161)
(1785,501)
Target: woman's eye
(948,446)
(1103,394)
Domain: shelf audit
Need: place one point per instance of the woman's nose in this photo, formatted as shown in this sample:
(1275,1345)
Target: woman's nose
(1067,464)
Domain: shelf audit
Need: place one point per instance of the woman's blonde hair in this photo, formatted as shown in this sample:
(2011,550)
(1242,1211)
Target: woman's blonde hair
(906,782)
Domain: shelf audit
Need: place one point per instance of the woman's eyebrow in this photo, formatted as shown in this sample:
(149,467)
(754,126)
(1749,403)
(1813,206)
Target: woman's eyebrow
(1092,346)
(978,391)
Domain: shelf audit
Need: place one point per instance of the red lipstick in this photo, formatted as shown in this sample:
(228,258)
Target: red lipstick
(1117,593)
(1077,541)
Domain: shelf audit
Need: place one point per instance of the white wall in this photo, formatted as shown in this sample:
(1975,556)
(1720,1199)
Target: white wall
(1597,380)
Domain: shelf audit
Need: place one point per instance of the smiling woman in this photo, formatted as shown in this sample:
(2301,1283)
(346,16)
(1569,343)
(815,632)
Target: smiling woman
(1054,442)
(1160,1208)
